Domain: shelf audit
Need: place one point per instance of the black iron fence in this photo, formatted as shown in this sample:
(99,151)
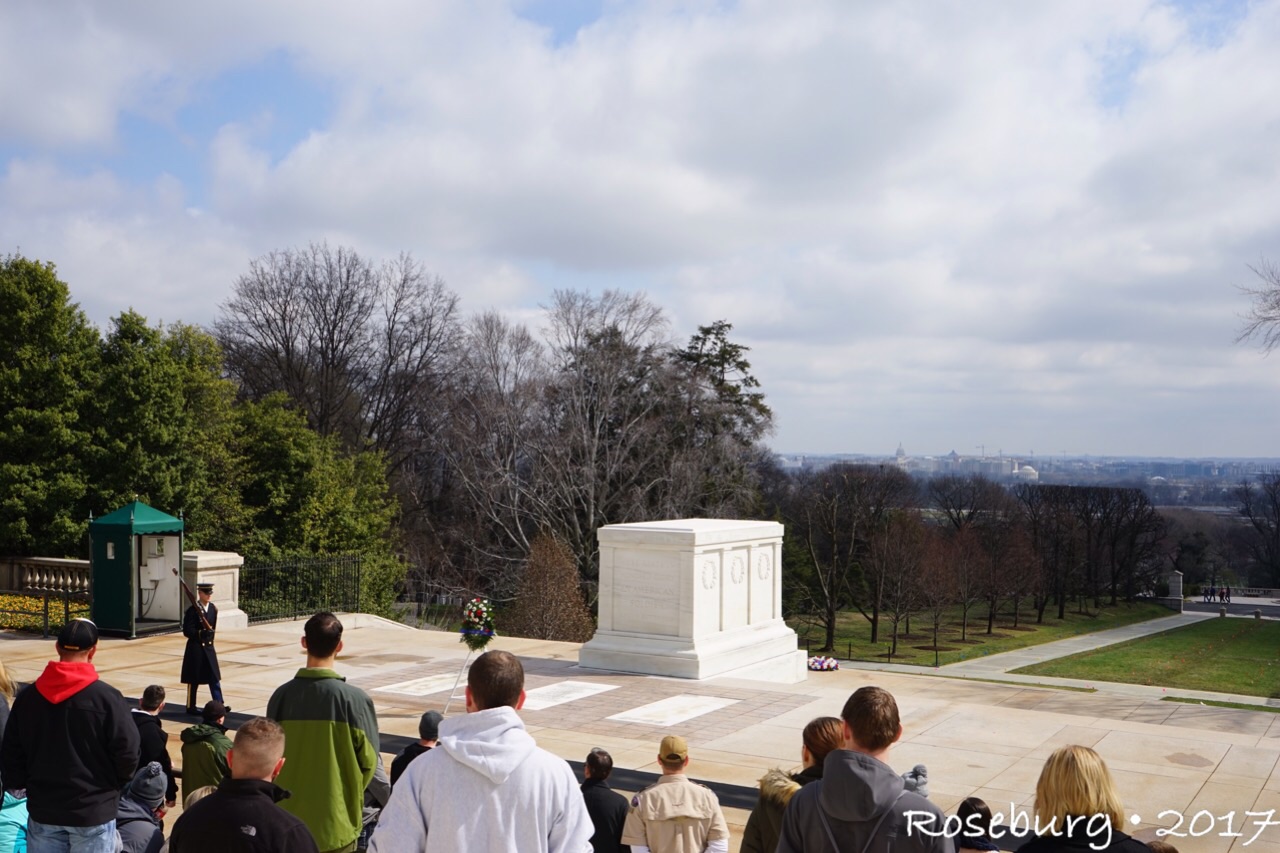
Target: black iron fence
(298,587)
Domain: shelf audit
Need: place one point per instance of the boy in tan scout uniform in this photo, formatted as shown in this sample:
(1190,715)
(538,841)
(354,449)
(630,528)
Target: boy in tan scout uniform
(674,814)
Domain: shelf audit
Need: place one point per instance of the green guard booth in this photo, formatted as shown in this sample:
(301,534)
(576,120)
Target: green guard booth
(133,555)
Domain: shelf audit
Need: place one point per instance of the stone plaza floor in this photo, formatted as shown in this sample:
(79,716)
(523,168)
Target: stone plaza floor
(976,737)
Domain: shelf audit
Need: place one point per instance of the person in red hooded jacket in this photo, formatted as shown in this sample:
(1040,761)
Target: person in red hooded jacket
(71,745)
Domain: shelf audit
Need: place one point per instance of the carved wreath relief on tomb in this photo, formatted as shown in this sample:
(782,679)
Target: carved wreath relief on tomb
(738,570)
(709,572)
(764,566)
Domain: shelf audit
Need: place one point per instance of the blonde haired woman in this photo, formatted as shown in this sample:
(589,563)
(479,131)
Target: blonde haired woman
(1077,807)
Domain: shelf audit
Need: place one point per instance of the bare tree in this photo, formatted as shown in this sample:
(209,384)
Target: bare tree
(835,513)
(1262,322)
(1056,538)
(1132,544)
(965,500)
(963,554)
(897,553)
(601,424)
(1260,506)
(355,346)
(936,592)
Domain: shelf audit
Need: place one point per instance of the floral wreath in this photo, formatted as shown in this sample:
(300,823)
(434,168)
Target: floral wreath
(821,663)
(477,624)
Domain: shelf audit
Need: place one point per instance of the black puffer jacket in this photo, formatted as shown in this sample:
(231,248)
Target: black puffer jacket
(71,744)
(241,817)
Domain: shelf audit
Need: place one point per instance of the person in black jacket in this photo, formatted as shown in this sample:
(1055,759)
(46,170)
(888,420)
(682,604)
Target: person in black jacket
(1077,807)
(153,739)
(242,814)
(200,660)
(608,808)
(428,734)
(71,744)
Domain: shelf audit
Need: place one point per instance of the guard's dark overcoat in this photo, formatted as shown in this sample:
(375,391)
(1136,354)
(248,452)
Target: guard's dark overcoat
(200,661)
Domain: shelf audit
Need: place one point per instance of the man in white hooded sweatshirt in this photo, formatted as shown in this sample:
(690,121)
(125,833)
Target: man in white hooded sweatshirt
(486,787)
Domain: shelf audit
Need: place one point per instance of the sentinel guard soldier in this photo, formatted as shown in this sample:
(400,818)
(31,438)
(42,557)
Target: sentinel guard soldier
(200,661)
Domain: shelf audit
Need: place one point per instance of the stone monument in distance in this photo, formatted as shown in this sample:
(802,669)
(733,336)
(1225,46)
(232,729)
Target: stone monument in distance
(693,598)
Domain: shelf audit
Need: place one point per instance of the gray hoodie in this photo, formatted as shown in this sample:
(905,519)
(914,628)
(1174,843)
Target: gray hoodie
(486,788)
(866,809)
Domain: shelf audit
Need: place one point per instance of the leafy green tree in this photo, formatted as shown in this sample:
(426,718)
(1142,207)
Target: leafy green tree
(216,516)
(48,362)
(164,428)
(137,416)
(305,496)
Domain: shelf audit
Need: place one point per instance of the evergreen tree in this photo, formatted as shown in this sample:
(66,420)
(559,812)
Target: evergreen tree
(47,364)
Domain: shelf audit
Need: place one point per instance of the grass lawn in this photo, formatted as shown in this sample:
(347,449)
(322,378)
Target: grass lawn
(1224,655)
(853,633)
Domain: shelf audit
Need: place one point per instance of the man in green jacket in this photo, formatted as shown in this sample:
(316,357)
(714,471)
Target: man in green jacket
(331,741)
(204,750)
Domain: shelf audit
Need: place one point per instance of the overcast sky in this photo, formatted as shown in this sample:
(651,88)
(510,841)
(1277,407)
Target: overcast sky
(948,224)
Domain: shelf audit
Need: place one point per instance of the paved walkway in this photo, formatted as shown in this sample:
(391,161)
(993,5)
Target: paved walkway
(977,738)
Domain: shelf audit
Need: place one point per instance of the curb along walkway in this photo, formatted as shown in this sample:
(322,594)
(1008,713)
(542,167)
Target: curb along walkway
(998,667)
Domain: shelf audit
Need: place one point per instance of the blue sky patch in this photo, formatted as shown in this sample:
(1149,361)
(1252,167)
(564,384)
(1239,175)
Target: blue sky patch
(1211,22)
(562,17)
(278,106)
(1120,63)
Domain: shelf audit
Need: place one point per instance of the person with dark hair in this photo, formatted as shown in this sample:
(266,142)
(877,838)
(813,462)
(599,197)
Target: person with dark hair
(200,659)
(153,739)
(331,733)
(141,811)
(242,816)
(428,735)
(675,814)
(860,803)
(487,787)
(975,825)
(607,808)
(71,745)
(204,750)
(820,737)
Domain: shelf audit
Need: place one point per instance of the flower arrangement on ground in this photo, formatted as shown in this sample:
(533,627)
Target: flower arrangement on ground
(477,624)
(821,663)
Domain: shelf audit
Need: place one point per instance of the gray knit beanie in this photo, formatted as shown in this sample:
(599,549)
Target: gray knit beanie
(917,779)
(148,785)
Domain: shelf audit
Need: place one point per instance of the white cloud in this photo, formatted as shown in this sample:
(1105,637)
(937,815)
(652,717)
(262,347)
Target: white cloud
(926,218)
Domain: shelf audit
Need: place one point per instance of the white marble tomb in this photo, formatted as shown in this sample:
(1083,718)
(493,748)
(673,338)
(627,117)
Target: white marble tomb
(693,598)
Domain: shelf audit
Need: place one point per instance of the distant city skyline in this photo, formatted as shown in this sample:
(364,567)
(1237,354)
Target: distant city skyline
(1048,456)
(948,225)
